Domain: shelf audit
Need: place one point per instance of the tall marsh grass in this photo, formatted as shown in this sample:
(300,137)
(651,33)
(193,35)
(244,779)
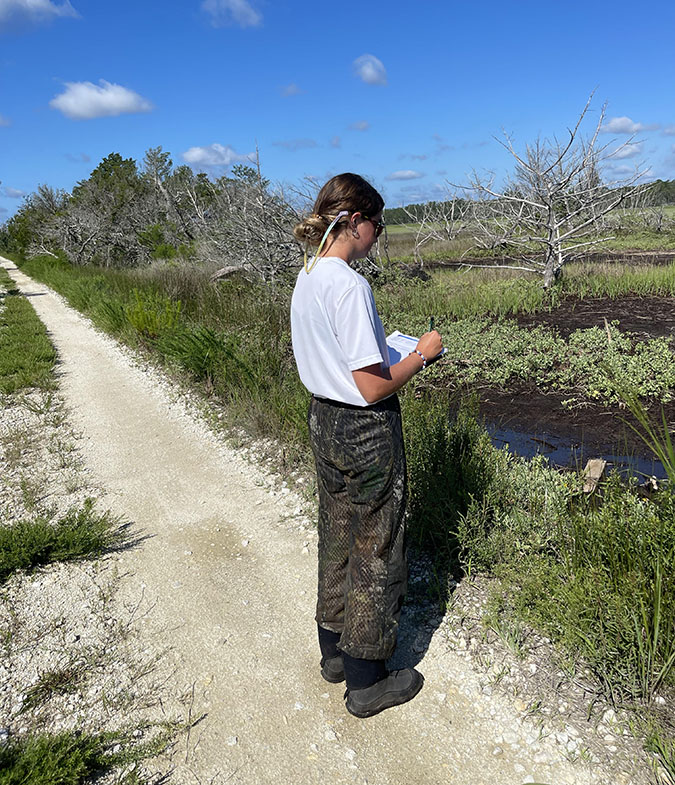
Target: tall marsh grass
(613,280)
(232,338)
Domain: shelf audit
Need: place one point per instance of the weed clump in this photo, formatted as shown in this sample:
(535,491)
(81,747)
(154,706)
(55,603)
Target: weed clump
(72,758)
(79,534)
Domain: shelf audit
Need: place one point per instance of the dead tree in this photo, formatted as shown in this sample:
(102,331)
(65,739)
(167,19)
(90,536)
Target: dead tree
(549,212)
(438,221)
(249,226)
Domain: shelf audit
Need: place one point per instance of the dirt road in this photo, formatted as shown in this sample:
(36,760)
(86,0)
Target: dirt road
(230,583)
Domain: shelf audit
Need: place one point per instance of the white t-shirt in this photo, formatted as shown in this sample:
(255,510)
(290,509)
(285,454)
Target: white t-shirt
(335,330)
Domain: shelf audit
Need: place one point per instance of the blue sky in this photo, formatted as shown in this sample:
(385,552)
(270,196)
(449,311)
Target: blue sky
(409,94)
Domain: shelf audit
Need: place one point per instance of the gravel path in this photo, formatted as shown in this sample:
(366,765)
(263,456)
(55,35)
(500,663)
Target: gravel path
(226,576)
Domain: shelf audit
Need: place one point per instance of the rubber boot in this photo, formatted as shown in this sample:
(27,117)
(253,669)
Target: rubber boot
(371,688)
(332,668)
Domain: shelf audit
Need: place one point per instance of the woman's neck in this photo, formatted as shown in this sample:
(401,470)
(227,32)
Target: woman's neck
(342,249)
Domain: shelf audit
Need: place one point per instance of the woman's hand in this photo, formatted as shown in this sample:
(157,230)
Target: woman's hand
(375,383)
(430,345)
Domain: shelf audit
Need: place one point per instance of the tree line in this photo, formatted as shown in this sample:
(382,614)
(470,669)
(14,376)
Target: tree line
(553,208)
(126,216)
(661,194)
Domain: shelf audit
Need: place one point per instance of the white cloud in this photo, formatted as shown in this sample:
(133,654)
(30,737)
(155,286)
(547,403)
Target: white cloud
(405,174)
(624,125)
(336,142)
(421,193)
(4,121)
(621,171)
(296,144)
(13,193)
(290,89)
(370,70)
(669,130)
(413,156)
(80,158)
(227,12)
(3,210)
(85,100)
(627,151)
(361,125)
(18,12)
(214,155)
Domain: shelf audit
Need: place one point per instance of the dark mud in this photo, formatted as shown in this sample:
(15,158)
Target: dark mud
(647,317)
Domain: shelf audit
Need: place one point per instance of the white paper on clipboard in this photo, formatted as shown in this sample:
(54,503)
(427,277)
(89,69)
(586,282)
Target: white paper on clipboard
(400,346)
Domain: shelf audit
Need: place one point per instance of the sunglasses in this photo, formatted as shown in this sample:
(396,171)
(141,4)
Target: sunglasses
(377,225)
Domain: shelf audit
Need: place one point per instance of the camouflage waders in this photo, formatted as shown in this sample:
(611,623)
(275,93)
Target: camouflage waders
(361,474)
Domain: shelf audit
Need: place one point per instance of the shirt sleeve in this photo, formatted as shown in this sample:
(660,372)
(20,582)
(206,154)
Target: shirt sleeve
(356,319)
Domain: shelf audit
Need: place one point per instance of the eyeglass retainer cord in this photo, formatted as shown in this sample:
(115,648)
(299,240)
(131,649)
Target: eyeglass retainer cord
(309,269)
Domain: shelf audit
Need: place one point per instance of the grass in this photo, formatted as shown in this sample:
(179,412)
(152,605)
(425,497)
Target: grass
(664,753)
(26,354)
(460,294)
(232,340)
(78,534)
(612,279)
(71,758)
(54,682)
(658,439)
(628,231)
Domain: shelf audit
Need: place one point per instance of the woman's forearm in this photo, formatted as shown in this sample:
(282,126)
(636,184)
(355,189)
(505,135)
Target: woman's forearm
(375,383)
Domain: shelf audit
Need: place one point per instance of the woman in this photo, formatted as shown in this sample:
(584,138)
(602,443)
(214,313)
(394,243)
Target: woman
(355,432)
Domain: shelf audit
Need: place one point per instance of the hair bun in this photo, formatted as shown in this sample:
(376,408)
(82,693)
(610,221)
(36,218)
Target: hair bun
(311,229)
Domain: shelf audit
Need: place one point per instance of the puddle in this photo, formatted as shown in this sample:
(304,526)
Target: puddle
(533,423)
(569,453)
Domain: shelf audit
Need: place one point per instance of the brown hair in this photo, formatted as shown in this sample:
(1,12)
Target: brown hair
(343,192)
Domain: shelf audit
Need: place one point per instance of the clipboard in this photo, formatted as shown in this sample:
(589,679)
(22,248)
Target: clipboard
(400,346)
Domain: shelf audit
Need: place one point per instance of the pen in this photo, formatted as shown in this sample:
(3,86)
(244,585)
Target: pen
(431,323)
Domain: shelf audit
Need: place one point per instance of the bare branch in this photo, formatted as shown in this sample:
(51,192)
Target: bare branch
(551,210)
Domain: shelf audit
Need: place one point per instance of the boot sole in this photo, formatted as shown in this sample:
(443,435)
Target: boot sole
(333,678)
(386,701)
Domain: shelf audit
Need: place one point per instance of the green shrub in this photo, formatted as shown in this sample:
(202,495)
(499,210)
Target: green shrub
(63,759)
(73,758)
(80,533)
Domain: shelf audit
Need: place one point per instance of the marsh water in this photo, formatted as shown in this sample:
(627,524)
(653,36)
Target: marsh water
(568,452)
